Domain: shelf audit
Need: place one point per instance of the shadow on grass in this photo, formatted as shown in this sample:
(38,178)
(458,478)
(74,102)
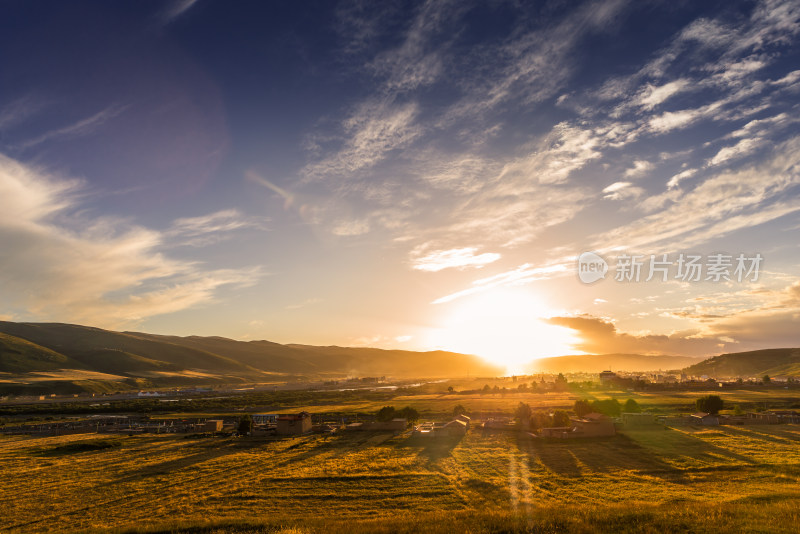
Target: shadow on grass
(434,448)
(651,452)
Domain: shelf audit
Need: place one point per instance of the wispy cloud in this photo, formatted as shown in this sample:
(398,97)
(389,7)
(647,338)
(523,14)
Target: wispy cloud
(211,228)
(719,205)
(524,274)
(80,128)
(175,9)
(100,271)
(459,258)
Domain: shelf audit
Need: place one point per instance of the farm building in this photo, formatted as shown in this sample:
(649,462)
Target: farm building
(292,424)
(593,425)
(212,425)
(467,420)
(424,430)
(454,428)
(702,418)
(607,376)
(556,432)
(265,418)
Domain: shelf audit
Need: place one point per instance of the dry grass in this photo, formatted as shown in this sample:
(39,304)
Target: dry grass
(744,477)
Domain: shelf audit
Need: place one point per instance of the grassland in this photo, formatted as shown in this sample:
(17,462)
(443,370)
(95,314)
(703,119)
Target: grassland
(677,480)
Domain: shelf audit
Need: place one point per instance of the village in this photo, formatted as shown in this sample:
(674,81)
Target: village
(569,426)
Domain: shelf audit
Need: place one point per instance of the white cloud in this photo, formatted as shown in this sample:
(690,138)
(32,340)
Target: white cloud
(524,274)
(351,228)
(208,229)
(672,120)
(740,149)
(459,258)
(372,131)
(681,176)
(61,265)
(565,149)
(717,206)
(653,96)
(622,191)
(640,168)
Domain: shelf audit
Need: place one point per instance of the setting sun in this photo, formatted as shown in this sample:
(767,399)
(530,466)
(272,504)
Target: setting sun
(506,327)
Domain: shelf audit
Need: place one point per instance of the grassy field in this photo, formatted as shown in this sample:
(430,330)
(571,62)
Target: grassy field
(691,479)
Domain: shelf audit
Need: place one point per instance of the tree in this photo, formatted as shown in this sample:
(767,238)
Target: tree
(486,388)
(408,413)
(523,413)
(245,424)
(561,418)
(582,407)
(631,406)
(766,379)
(523,386)
(450,389)
(459,410)
(561,383)
(710,404)
(387,413)
(737,410)
(609,407)
(541,420)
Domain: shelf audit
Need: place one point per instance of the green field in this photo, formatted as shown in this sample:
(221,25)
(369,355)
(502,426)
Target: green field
(724,479)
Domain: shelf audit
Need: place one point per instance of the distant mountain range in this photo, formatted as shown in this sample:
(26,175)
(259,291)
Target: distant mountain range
(136,358)
(595,363)
(772,362)
(38,356)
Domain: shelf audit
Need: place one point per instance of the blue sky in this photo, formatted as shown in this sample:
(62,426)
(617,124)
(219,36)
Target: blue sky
(413,174)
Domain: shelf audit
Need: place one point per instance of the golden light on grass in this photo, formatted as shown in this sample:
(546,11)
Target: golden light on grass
(506,327)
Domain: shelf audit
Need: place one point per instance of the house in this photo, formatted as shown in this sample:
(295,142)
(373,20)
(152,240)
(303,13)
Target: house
(702,418)
(556,432)
(607,376)
(424,430)
(294,424)
(464,418)
(212,425)
(265,419)
(454,428)
(593,425)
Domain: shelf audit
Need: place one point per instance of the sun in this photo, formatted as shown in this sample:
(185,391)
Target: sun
(506,327)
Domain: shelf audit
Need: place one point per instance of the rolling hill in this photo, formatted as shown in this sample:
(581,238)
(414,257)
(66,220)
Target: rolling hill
(595,363)
(773,362)
(141,359)
(18,355)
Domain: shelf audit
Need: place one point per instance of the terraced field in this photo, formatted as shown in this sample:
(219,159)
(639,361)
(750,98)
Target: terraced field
(349,482)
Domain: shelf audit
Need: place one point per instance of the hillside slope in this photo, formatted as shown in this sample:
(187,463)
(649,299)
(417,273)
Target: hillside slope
(595,363)
(752,363)
(114,352)
(18,355)
(399,363)
(135,354)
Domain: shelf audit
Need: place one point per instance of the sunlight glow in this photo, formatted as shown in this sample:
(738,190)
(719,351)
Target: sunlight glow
(505,326)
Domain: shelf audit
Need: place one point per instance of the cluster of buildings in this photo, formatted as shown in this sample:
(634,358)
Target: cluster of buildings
(452,429)
(592,425)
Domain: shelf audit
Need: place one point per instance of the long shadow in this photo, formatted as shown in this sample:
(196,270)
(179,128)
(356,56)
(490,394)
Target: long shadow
(434,448)
(555,456)
(625,453)
(758,431)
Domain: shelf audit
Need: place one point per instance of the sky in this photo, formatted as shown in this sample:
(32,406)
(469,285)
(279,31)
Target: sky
(415,175)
